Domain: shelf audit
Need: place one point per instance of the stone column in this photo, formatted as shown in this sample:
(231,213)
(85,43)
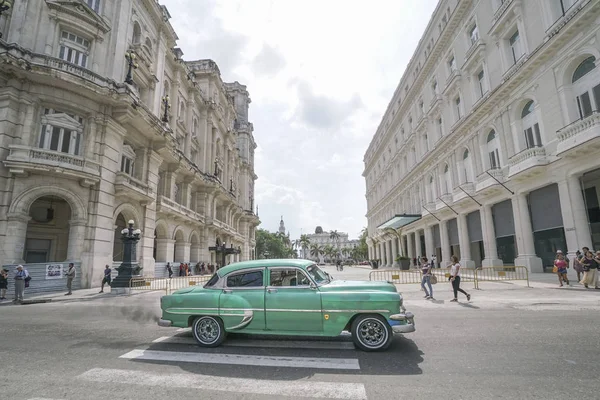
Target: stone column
(429,246)
(418,244)
(164,250)
(445,261)
(524,235)
(489,238)
(14,241)
(574,215)
(409,245)
(76,240)
(370,252)
(395,252)
(390,252)
(384,254)
(464,242)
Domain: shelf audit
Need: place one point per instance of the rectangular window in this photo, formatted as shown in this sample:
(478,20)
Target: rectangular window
(474,34)
(458,111)
(94,4)
(434,87)
(533,137)
(596,92)
(584,103)
(73,49)
(247,279)
(494,159)
(288,277)
(440,128)
(515,46)
(452,64)
(481,83)
(127,165)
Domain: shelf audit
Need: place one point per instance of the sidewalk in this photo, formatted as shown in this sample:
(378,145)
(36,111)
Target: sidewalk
(78,295)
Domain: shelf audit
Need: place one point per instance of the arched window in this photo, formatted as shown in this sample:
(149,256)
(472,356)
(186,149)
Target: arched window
(137,33)
(586,85)
(465,168)
(431,191)
(446,183)
(195,128)
(492,150)
(531,128)
(148,45)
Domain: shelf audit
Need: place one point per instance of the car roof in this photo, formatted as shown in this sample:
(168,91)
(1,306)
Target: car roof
(283,262)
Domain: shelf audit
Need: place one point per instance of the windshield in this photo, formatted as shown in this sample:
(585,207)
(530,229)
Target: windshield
(212,281)
(318,275)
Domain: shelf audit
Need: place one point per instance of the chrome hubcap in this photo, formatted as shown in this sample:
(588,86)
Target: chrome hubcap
(207,330)
(372,333)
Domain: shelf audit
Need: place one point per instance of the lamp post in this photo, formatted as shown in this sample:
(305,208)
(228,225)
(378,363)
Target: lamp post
(223,251)
(129,267)
(167,106)
(130,56)
(4,6)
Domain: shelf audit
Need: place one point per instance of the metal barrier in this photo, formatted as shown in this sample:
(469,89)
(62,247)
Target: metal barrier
(414,276)
(167,284)
(495,274)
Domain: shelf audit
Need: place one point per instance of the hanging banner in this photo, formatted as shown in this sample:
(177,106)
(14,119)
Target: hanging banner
(54,271)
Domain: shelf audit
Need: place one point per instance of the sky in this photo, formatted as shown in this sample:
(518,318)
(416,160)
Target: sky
(320,75)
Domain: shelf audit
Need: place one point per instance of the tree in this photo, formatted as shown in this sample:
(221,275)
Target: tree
(271,245)
(304,243)
(335,236)
(316,251)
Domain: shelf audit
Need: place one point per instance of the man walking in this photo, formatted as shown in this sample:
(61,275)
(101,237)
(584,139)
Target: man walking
(70,276)
(107,277)
(20,276)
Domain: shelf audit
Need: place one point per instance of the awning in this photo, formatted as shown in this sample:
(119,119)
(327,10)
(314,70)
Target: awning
(400,220)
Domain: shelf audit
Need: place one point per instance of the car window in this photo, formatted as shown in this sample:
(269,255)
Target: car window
(211,282)
(246,279)
(288,277)
(318,275)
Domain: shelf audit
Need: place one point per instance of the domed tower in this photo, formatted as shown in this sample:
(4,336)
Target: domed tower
(282,226)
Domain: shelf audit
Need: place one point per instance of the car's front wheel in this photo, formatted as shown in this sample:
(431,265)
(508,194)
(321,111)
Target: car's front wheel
(208,331)
(371,332)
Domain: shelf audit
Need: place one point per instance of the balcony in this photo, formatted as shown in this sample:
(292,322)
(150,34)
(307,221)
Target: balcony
(505,14)
(582,136)
(527,163)
(463,191)
(129,187)
(444,200)
(564,19)
(452,80)
(24,160)
(475,55)
(177,211)
(435,103)
(489,181)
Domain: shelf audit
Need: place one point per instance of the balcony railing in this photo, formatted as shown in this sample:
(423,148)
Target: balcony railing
(532,152)
(565,18)
(501,10)
(45,157)
(578,133)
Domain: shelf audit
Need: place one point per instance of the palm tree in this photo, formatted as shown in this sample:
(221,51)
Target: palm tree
(304,243)
(335,236)
(316,251)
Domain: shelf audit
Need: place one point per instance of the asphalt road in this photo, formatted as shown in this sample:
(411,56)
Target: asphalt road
(480,350)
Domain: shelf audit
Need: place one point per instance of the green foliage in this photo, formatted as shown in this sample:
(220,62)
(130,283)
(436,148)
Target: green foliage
(272,245)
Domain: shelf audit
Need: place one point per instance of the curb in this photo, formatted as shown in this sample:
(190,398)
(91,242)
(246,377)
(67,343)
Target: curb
(69,300)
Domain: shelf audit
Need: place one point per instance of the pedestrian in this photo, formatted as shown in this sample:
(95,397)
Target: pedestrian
(20,275)
(561,267)
(590,270)
(455,279)
(70,276)
(3,283)
(426,279)
(169,270)
(577,266)
(181,270)
(107,277)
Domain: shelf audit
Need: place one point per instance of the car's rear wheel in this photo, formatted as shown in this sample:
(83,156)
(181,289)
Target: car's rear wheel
(208,331)
(371,332)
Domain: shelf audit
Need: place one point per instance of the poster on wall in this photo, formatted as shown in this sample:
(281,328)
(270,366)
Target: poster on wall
(54,271)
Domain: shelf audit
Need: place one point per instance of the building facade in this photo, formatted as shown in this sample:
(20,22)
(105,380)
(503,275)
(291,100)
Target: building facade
(322,239)
(488,148)
(83,152)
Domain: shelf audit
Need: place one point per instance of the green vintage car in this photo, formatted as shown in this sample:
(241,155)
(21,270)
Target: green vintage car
(287,297)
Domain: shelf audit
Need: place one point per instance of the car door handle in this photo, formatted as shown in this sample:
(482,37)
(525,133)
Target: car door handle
(271,290)
(227,291)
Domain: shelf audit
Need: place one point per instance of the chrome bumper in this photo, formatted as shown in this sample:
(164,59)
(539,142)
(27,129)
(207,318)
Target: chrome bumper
(407,317)
(164,323)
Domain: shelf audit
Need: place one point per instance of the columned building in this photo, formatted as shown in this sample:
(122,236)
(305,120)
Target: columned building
(489,148)
(102,122)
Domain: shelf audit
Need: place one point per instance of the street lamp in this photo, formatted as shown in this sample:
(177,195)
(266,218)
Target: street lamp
(4,6)
(165,102)
(129,267)
(130,56)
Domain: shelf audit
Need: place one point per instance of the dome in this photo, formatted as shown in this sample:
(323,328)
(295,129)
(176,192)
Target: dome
(318,229)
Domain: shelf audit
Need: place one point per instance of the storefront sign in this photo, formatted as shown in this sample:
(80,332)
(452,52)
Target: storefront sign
(54,271)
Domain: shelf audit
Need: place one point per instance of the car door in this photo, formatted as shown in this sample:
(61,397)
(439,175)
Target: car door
(242,300)
(291,303)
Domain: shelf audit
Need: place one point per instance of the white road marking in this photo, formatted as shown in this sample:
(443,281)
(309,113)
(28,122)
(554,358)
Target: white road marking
(304,388)
(184,329)
(241,359)
(274,344)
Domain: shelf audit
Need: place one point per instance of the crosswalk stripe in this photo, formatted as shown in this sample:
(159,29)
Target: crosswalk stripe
(240,359)
(275,344)
(305,388)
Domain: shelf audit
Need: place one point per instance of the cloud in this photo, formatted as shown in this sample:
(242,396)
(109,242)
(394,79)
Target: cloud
(323,112)
(268,62)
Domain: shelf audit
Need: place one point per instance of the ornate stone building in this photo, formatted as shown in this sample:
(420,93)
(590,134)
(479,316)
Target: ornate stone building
(488,148)
(83,152)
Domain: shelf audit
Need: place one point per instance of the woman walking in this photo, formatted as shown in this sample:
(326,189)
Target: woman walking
(590,269)
(455,279)
(3,283)
(426,270)
(561,268)
(577,266)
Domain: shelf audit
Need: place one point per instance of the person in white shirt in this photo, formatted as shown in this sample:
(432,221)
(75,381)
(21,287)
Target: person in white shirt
(455,279)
